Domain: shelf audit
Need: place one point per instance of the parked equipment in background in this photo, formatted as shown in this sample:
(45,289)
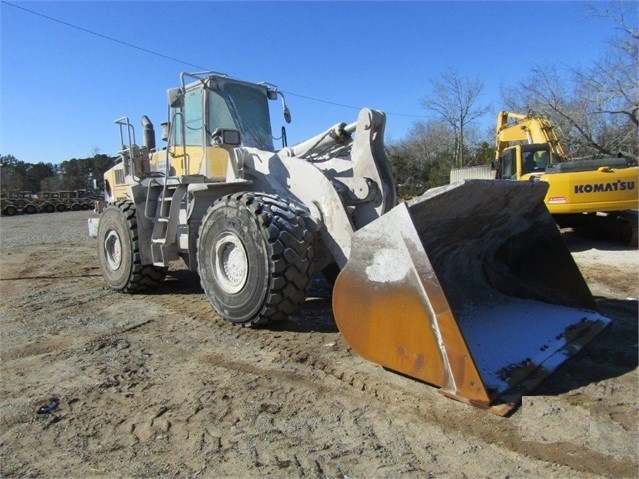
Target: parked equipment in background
(14,202)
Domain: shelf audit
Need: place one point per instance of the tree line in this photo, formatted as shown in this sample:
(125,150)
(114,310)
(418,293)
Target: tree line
(73,174)
(594,108)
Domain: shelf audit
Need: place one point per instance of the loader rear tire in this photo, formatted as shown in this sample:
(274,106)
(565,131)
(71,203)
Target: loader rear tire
(48,208)
(629,230)
(60,207)
(255,257)
(119,251)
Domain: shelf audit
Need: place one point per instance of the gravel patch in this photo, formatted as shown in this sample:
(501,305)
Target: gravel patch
(68,227)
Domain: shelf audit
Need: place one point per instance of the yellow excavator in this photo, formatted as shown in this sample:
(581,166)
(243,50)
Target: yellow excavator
(598,197)
(468,287)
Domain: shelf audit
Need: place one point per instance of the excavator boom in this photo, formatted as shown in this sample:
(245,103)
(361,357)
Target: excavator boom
(528,129)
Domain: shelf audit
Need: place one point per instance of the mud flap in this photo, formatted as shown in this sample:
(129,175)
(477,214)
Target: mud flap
(469,287)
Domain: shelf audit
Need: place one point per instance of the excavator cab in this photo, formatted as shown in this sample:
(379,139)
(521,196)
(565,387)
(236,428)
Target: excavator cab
(519,160)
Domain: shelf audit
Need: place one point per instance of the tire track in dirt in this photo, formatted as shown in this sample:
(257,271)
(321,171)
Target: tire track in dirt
(306,351)
(289,365)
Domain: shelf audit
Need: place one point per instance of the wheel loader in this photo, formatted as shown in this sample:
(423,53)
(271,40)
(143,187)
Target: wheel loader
(51,202)
(469,287)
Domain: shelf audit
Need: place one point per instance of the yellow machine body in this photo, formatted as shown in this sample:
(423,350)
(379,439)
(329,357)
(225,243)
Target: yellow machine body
(597,188)
(599,197)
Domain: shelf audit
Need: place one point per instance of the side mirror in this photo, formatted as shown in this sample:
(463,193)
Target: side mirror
(272,94)
(175,98)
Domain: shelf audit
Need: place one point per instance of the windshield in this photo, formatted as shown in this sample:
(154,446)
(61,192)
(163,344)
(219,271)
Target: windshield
(241,107)
(535,158)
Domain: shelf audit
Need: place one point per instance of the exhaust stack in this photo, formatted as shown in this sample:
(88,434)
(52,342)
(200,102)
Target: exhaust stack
(148,133)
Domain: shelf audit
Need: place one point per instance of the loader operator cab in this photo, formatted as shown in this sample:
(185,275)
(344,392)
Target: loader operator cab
(210,117)
(217,104)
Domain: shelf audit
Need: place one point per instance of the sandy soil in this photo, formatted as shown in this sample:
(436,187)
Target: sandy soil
(156,385)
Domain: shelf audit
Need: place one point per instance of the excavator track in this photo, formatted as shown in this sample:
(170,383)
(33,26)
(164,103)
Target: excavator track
(620,227)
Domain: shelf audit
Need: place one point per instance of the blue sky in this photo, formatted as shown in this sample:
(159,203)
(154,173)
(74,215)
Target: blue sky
(62,87)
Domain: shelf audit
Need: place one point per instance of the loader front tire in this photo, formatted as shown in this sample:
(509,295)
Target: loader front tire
(255,255)
(119,251)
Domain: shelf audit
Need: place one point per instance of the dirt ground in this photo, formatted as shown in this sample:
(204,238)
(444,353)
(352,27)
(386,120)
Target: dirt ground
(156,385)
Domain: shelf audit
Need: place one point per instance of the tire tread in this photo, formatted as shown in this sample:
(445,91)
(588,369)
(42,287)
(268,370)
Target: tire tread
(143,276)
(288,234)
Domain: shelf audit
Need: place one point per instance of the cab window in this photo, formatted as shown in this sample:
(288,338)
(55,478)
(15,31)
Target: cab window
(191,117)
(509,165)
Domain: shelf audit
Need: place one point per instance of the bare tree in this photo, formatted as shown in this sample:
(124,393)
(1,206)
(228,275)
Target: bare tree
(416,159)
(453,100)
(597,107)
(425,157)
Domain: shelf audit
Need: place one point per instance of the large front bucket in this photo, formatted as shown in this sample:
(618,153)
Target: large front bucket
(469,287)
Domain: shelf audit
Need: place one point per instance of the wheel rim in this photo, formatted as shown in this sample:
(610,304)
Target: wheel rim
(113,250)
(231,263)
